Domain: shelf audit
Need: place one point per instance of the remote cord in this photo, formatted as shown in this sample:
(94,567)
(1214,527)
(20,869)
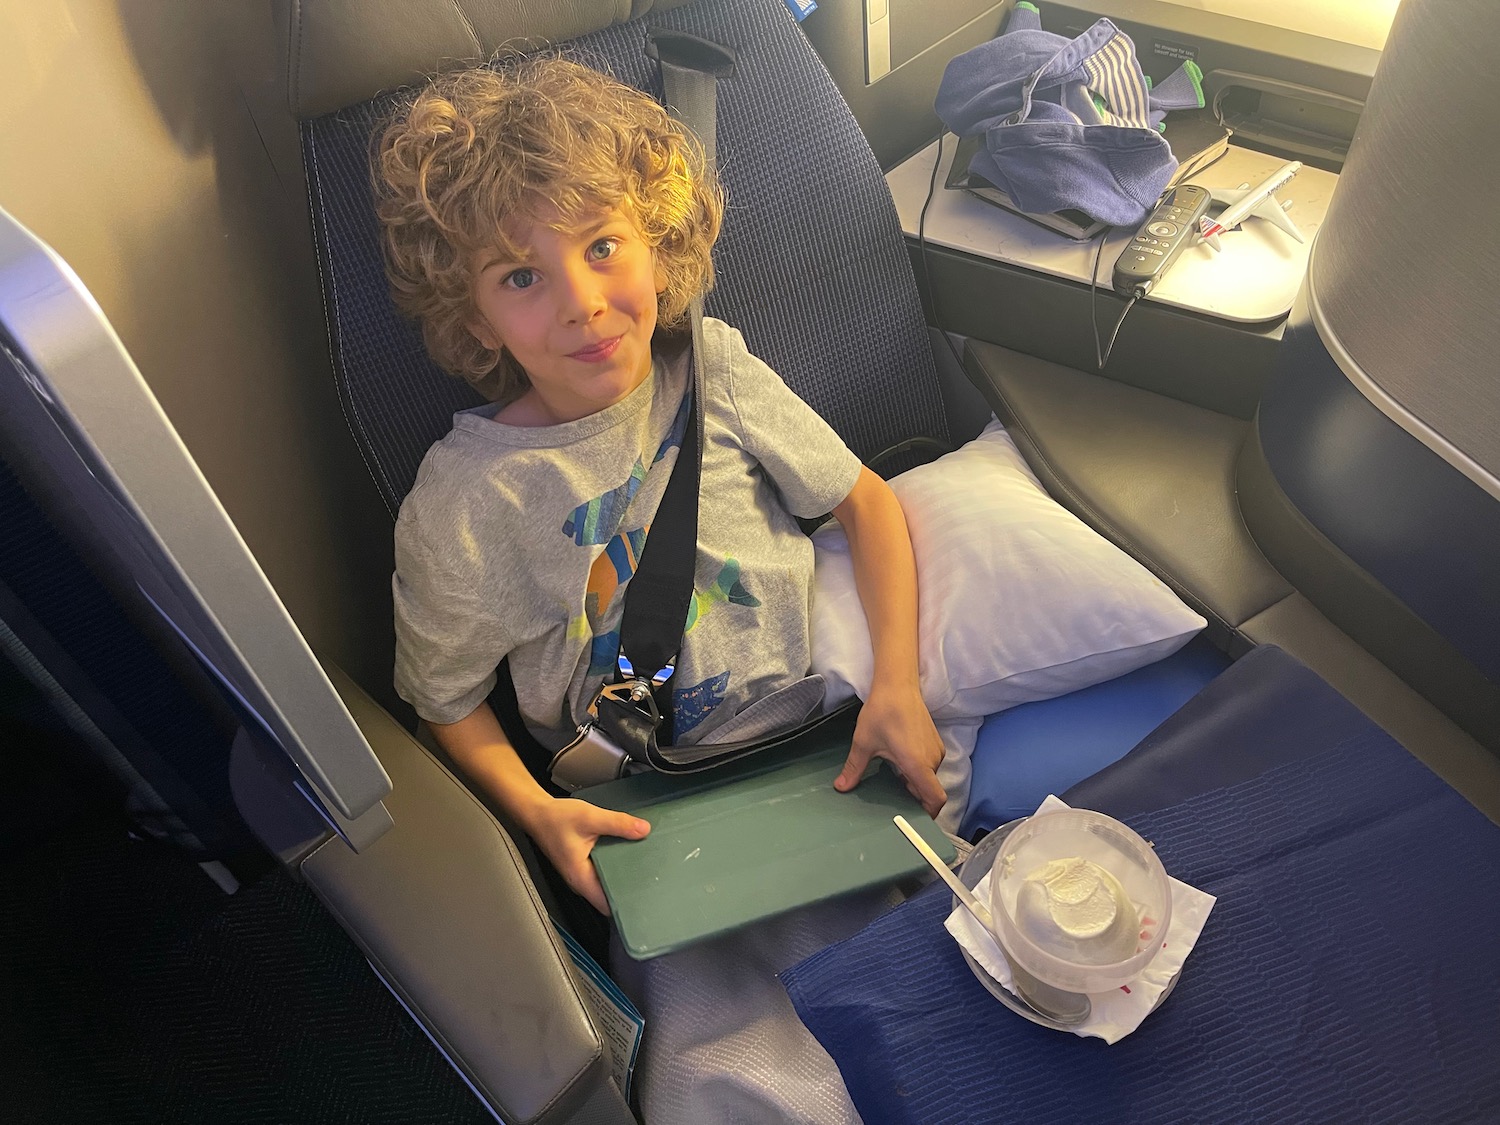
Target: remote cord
(1171,228)
(932,299)
(1102,357)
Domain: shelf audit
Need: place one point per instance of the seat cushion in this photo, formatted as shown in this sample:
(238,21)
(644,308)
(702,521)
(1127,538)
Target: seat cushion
(1023,754)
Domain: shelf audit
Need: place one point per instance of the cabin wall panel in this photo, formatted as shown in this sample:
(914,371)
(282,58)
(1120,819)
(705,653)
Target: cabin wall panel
(895,112)
(148,142)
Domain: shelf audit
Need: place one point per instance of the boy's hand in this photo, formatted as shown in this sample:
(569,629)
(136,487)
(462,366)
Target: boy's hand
(896,726)
(567,829)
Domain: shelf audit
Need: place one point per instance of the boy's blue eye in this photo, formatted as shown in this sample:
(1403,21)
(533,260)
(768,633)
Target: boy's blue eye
(603,249)
(520,279)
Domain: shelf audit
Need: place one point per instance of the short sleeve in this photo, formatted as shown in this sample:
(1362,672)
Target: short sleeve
(447,645)
(801,453)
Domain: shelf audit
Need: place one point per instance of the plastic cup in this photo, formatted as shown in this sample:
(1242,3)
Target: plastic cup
(1080,900)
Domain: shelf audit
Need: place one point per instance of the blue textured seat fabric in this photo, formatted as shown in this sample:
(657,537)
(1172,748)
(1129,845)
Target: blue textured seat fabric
(1335,980)
(811,264)
(152,738)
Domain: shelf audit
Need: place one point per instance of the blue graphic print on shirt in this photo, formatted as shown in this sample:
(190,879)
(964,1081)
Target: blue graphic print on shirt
(690,706)
(594,521)
(727,587)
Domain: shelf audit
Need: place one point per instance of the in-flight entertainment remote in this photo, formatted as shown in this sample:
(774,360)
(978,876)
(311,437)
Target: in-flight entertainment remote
(1169,229)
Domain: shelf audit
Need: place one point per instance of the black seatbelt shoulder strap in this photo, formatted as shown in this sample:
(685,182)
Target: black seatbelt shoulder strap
(660,592)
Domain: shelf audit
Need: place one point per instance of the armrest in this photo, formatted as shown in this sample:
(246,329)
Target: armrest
(444,909)
(1151,473)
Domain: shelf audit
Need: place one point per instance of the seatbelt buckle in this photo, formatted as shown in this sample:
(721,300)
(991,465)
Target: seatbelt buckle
(592,758)
(621,730)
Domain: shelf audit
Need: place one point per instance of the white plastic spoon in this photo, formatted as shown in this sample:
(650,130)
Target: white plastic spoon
(1060,1006)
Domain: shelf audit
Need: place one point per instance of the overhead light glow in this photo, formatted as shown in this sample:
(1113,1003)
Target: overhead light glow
(1361,22)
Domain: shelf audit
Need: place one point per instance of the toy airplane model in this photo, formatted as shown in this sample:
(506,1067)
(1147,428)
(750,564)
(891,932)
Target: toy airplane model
(1245,201)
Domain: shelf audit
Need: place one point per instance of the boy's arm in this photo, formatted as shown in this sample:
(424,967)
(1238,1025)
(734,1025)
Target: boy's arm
(565,828)
(894,723)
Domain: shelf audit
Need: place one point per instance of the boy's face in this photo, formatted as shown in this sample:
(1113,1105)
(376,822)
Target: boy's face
(577,313)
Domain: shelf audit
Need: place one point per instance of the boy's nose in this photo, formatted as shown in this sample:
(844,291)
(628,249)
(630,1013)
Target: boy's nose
(582,296)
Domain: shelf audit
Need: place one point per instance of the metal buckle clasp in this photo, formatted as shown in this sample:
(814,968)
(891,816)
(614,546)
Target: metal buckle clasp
(659,677)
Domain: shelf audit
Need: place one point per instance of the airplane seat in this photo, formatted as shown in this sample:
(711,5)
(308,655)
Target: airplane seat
(799,259)
(803,257)
(1354,520)
(148,738)
(1372,475)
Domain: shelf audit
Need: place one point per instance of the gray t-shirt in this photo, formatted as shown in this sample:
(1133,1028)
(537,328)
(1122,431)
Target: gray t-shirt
(519,541)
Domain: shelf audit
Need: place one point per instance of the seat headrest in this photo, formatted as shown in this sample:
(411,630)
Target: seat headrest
(340,52)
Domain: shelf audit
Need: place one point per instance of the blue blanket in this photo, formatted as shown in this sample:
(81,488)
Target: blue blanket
(1347,973)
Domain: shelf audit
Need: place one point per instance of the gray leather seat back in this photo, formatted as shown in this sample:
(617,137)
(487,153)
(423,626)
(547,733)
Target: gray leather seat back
(1381,431)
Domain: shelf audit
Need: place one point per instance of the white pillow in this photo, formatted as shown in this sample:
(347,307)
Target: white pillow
(1020,600)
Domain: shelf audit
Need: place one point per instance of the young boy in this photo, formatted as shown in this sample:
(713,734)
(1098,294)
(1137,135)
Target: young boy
(549,227)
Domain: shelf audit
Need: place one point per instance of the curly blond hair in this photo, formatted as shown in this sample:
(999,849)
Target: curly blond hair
(482,152)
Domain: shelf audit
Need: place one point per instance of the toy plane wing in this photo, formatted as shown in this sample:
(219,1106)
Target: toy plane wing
(1246,201)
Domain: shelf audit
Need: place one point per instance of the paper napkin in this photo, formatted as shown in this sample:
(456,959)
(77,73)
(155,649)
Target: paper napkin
(1118,1012)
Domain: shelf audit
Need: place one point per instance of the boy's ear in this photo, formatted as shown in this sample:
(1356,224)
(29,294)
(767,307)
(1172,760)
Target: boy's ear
(659,274)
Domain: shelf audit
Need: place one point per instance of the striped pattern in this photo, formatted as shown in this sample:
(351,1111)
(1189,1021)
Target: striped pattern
(1114,73)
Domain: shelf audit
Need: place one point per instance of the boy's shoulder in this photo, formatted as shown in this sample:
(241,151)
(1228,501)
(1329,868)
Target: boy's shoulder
(721,338)
(465,443)
(453,464)
(724,358)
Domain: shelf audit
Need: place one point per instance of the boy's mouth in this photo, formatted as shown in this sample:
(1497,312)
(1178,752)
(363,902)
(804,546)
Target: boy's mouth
(595,353)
